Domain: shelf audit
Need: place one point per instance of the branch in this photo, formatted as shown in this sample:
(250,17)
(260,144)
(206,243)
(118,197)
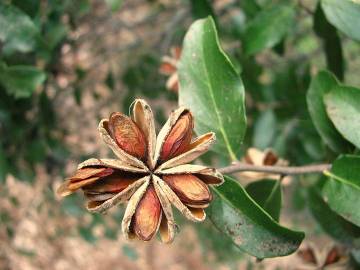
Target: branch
(241,167)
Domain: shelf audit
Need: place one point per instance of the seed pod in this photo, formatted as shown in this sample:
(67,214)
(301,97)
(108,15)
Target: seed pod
(147,215)
(127,135)
(190,189)
(179,138)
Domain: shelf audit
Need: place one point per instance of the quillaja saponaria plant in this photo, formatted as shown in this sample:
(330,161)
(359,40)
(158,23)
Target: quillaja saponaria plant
(151,173)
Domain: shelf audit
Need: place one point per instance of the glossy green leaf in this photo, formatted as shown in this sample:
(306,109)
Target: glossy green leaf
(211,88)
(342,188)
(343,107)
(238,216)
(21,81)
(344,15)
(264,130)
(321,84)
(17,30)
(333,224)
(331,43)
(268,28)
(267,194)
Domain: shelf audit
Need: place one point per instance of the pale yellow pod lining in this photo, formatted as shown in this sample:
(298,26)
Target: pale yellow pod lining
(111,163)
(131,208)
(209,176)
(144,118)
(167,234)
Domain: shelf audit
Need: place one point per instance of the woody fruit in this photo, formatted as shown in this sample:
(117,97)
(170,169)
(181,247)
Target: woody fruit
(150,174)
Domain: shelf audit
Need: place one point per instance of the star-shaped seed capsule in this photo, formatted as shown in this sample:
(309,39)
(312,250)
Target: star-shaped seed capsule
(150,173)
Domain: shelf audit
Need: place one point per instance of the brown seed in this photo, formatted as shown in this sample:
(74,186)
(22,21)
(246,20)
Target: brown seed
(147,215)
(87,176)
(179,138)
(190,189)
(115,183)
(75,185)
(127,135)
(89,172)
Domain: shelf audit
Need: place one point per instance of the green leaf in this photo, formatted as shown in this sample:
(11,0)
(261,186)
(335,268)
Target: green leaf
(267,194)
(331,43)
(264,130)
(342,189)
(320,85)
(211,88)
(214,242)
(333,224)
(17,30)
(344,15)
(343,107)
(268,28)
(235,214)
(55,33)
(21,81)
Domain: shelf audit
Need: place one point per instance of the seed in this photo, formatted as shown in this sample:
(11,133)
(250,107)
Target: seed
(127,135)
(190,189)
(147,215)
(179,138)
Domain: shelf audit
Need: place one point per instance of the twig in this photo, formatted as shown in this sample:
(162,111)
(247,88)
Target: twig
(241,167)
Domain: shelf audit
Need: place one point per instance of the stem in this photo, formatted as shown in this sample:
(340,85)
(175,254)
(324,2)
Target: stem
(241,167)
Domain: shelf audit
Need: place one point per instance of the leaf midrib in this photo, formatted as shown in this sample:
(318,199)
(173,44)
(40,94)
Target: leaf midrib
(210,90)
(342,180)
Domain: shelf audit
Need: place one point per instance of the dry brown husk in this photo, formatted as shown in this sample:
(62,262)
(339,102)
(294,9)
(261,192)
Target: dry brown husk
(142,115)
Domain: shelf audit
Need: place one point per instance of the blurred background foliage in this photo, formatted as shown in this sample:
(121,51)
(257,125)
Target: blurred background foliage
(65,64)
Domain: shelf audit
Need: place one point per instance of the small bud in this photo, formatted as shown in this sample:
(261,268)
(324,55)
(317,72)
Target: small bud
(127,135)
(147,215)
(190,189)
(179,138)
